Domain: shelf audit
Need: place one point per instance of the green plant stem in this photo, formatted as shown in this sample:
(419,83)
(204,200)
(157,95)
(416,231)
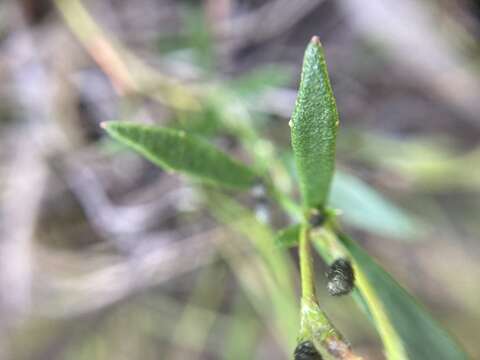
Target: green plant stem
(306,265)
(315,324)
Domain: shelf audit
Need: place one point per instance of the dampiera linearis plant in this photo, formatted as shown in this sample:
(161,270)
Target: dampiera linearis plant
(405,328)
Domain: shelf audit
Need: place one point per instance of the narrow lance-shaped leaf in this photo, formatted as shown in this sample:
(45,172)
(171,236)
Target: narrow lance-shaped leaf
(365,208)
(408,331)
(176,150)
(314,128)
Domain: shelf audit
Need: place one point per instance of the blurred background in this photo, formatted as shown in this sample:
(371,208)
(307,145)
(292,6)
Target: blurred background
(104,256)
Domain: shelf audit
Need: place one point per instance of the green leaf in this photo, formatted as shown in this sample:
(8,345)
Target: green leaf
(408,331)
(365,208)
(288,236)
(314,128)
(176,150)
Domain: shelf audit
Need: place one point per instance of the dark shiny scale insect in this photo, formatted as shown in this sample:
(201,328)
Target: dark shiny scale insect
(340,277)
(306,351)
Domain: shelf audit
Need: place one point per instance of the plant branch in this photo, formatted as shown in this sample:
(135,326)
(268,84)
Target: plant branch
(315,325)
(306,265)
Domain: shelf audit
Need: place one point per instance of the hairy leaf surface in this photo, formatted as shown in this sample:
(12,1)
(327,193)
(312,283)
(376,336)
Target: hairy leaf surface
(176,150)
(314,128)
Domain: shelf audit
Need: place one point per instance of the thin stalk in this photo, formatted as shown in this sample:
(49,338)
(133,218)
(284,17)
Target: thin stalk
(306,265)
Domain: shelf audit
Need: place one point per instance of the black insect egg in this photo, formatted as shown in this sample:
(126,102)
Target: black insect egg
(340,277)
(306,351)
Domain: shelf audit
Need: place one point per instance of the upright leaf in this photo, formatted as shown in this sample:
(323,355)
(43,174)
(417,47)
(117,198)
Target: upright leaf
(314,128)
(176,150)
(408,331)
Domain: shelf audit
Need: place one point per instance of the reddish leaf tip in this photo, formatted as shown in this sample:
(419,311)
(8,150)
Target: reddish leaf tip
(316,40)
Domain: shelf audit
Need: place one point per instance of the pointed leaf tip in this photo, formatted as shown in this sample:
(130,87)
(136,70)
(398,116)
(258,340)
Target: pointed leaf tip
(316,40)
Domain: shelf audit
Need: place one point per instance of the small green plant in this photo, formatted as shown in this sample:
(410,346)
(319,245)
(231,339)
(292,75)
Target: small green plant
(406,329)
